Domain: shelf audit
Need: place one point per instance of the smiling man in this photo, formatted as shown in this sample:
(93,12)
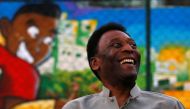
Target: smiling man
(114,59)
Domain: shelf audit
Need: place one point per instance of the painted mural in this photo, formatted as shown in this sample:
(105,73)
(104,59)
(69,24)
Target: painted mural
(26,42)
(43,60)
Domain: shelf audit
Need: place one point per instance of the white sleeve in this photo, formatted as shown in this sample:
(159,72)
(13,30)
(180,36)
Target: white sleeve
(70,105)
(179,105)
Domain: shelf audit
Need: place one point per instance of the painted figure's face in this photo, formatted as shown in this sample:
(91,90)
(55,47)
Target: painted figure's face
(119,59)
(32,36)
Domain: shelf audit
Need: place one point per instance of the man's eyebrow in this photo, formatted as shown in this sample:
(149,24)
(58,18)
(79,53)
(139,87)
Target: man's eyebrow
(30,22)
(132,40)
(117,39)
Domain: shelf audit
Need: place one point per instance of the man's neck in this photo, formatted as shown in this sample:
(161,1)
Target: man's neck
(121,95)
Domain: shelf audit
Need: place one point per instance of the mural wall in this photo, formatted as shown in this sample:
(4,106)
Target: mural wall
(43,55)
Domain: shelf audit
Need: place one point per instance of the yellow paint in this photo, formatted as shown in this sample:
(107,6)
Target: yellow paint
(2,40)
(40,104)
(75,24)
(172,53)
(64,16)
(93,24)
(90,22)
(182,96)
(172,67)
(188,62)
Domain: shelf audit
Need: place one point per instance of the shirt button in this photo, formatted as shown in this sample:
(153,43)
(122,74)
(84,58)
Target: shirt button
(112,100)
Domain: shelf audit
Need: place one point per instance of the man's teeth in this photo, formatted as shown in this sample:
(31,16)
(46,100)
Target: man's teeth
(130,61)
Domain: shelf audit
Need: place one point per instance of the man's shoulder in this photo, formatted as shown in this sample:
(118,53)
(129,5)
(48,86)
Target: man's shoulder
(81,101)
(85,98)
(161,100)
(158,96)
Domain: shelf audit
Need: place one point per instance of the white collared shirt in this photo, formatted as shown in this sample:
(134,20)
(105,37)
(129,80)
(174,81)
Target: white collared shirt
(138,100)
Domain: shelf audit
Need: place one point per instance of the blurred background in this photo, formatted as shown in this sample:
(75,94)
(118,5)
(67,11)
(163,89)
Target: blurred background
(159,27)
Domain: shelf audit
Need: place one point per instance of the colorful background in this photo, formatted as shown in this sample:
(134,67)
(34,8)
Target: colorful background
(67,68)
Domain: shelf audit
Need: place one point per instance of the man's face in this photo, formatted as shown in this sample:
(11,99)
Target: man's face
(119,59)
(34,35)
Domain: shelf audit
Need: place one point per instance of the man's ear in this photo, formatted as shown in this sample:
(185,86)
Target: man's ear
(5,27)
(95,63)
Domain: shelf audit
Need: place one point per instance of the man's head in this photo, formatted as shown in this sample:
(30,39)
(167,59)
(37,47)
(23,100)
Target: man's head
(113,56)
(30,33)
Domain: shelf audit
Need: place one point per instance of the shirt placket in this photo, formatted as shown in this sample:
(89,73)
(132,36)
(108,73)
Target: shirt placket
(113,103)
(125,105)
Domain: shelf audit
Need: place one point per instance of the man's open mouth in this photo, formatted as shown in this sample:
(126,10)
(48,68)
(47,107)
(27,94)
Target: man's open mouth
(127,61)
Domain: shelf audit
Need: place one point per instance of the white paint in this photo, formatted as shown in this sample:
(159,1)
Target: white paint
(33,31)
(187,86)
(24,54)
(0,72)
(47,40)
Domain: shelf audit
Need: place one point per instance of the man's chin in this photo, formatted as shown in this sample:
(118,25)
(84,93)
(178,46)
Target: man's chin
(128,82)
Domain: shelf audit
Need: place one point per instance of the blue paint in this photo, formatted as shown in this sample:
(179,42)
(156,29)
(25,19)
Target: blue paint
(168,25)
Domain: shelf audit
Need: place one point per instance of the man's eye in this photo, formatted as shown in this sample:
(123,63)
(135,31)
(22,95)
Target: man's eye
(117,45)
(133,46)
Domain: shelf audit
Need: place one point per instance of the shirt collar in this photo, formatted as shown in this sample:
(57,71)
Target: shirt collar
(135,92)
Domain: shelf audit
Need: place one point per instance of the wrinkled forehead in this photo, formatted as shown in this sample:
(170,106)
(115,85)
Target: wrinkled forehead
(112,34)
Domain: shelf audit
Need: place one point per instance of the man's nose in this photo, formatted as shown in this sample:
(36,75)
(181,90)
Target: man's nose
(127,47)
